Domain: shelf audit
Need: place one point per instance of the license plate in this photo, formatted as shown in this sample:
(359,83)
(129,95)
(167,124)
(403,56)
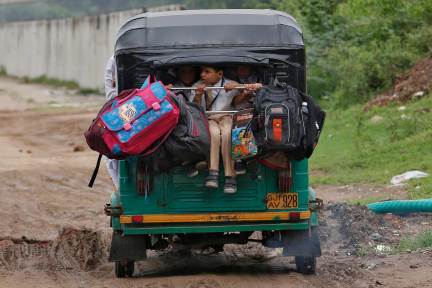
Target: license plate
(282,201)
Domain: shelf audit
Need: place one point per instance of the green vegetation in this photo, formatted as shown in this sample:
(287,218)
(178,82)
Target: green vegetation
(355,149)
(422,240)
(50,81)
(367,200)
(88,91)
(2,71)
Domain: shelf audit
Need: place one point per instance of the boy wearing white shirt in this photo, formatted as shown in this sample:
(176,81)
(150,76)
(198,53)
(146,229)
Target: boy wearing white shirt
(220,124)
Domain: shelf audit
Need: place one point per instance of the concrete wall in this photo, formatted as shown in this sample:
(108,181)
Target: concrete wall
(66,49)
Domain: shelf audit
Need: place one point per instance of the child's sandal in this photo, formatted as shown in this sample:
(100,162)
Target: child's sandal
(230,185)
(212,181)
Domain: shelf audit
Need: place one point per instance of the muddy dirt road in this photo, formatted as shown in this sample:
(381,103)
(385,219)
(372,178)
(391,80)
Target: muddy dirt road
(53,232)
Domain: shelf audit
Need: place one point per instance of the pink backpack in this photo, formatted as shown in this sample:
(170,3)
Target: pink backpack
(135,122)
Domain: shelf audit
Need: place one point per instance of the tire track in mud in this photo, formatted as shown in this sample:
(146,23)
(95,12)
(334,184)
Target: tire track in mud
(72,255)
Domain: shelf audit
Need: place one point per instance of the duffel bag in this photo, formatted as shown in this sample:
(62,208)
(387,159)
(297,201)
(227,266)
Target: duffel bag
(96,130)
(136,122)
(278,124)
(243,141)
(190,139)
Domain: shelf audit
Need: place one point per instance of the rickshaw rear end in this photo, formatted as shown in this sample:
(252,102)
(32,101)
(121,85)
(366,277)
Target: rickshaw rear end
(154,210)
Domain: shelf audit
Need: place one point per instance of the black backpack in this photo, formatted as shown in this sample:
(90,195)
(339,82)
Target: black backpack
(280,124)
(190,139)
(314,122)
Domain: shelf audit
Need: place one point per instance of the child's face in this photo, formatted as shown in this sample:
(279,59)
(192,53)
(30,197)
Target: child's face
(243,72)
(209,76)
(186,75)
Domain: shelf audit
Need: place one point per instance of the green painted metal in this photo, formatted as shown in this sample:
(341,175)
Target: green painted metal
(175,193)
(314,214)
(115,201)
(215,227)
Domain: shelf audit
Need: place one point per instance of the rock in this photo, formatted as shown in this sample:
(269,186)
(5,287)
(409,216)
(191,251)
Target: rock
(375,237)
(78,149)
(376,118)
(414,266)
(408,251)
(418,94)
(401,108)
(388,216)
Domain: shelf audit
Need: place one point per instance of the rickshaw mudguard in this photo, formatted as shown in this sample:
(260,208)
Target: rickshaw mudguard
(127,247)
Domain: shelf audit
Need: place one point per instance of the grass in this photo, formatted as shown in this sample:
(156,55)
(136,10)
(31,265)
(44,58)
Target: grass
(55,82)
(88,91)
(367,200)
(2,71)
(354,149)
(422,240)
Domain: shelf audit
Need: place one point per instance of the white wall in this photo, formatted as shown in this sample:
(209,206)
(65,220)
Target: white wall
(66,49)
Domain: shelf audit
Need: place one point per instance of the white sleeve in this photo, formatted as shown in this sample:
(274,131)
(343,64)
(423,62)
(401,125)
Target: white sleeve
(110,92)
(192,95)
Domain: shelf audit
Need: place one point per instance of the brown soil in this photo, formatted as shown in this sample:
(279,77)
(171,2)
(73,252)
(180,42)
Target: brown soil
(417,79)
(54,233)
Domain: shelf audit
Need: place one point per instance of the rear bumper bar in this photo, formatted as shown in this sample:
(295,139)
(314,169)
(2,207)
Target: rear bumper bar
(215,217)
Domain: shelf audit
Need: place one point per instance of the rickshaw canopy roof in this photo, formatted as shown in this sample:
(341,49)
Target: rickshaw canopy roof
(209,28)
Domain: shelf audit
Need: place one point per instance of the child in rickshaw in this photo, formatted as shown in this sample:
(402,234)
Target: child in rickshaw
(186,76)
(245,75)
(220,123)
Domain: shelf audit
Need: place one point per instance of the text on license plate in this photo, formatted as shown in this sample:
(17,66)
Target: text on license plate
(282,201)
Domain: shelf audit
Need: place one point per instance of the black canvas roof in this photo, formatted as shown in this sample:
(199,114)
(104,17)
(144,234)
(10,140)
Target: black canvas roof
(209,28)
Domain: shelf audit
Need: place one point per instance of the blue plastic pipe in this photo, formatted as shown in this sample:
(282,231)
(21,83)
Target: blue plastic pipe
(402,206)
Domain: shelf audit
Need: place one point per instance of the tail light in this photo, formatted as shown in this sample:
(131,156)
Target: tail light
(285,180)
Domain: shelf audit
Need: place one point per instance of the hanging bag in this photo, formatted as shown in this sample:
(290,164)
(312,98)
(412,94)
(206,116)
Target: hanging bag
(136,122)
(243,141)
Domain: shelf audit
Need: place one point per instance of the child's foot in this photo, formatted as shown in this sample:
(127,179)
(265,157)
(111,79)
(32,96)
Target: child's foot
(201,165)
(190,169)
(240,167)
(230,185)
(212,181)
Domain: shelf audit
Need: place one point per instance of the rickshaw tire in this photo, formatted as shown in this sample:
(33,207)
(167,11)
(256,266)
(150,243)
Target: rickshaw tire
(122,270)
(305,264)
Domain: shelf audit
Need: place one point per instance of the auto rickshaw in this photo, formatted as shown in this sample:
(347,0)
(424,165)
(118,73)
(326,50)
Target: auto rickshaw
(179,211)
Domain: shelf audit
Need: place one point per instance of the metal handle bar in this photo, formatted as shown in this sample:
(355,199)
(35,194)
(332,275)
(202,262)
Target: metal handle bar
(208,88)
(220,112)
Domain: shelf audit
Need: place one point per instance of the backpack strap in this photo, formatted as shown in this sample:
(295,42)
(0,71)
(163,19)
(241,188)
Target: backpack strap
(95,172)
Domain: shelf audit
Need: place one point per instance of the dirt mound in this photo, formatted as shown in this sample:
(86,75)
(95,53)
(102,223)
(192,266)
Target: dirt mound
(417,81)
(72,250)
(351,226)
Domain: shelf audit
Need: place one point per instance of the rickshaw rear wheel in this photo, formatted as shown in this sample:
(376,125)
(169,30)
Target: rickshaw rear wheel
(122,270)
(305,264)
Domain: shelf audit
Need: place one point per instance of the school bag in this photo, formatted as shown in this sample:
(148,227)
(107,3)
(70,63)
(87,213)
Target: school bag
(190,139)
(137,121)
(243,141)
(286,119)
(277,123)
(313,118)
(96,130)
